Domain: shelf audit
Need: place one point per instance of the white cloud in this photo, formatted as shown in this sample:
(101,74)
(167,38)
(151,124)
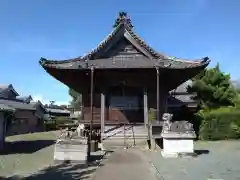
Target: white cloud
(61,103)
(39,97)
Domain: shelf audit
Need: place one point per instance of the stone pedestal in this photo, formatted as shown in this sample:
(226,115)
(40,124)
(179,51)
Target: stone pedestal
(73,150)
(177,144)
(178,138)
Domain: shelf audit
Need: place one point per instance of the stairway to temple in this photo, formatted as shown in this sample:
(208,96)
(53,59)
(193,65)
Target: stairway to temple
(126,136)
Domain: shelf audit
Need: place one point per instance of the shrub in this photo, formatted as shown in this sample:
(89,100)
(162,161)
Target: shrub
(220,124)
(56,122)
(62,120)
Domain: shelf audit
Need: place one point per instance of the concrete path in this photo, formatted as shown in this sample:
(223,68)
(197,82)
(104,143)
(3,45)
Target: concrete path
(127,164)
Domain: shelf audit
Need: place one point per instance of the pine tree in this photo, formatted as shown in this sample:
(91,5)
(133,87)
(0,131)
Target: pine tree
(213,88)
(76,102)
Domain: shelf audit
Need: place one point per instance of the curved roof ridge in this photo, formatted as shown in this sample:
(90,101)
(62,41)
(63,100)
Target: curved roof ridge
(87,56)
(47,61)
(145,44)
(103,42)
(198,61)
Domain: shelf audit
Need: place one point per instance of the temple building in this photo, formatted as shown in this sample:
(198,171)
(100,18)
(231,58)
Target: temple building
(123,77)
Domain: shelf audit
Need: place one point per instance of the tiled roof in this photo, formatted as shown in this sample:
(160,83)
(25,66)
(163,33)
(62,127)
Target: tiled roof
(17,104)
(182,88)
(127,62)
(180,96)
(154,59)
(4,107)
(4,88)
(61,111)
(36,104)
(128,29)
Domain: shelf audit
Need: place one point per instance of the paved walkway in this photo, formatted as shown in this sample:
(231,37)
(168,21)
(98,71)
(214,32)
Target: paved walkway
(127,164)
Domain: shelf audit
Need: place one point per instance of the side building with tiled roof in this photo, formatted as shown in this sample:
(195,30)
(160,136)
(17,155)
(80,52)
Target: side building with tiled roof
(25,116)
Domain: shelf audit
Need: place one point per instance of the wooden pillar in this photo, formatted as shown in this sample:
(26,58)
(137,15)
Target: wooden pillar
(102,115)
(158,98)
(145,106)
(91,111)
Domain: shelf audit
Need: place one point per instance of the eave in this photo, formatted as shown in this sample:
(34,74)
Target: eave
(128,63)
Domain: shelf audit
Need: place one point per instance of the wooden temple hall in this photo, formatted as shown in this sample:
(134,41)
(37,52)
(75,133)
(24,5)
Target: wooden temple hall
(123,77)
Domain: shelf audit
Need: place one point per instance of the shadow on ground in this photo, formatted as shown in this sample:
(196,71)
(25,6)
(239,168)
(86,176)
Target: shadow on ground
(25,147)
(63,171)
(202,151)
(66,171)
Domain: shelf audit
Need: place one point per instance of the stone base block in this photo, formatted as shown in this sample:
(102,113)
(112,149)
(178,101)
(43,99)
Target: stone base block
(70,151)
(178,145)
(83,163)
(169,155)
(100,146)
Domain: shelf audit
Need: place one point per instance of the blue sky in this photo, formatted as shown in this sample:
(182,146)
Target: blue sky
(64,29)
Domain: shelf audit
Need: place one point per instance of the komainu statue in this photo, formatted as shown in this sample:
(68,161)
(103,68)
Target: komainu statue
(167,118)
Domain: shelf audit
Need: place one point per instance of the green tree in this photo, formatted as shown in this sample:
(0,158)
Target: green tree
(76,102)
(236,85)
(213,88)
(122,16)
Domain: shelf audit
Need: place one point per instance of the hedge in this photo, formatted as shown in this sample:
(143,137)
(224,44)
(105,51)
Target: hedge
(220,124)
(57,122)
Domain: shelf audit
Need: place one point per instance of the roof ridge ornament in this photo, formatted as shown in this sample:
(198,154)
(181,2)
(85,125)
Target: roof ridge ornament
(123,18)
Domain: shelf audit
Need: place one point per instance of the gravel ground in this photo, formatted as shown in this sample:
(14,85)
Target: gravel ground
(216,160)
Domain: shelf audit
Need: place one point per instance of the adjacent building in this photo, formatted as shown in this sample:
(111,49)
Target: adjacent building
(25,116)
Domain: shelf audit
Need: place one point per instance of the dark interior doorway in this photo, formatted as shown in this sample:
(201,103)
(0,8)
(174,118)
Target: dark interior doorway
(126,104)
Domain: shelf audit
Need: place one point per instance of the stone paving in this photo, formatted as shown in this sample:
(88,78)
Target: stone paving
(126,164)
(218,160)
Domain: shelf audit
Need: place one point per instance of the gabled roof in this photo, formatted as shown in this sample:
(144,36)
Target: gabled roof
(182,88)
(124,30)
(180,96)
(5,88)
(38,103)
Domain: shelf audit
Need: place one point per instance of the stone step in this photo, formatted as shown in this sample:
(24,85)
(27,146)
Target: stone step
(116,143)
(130,133)
(127,130)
